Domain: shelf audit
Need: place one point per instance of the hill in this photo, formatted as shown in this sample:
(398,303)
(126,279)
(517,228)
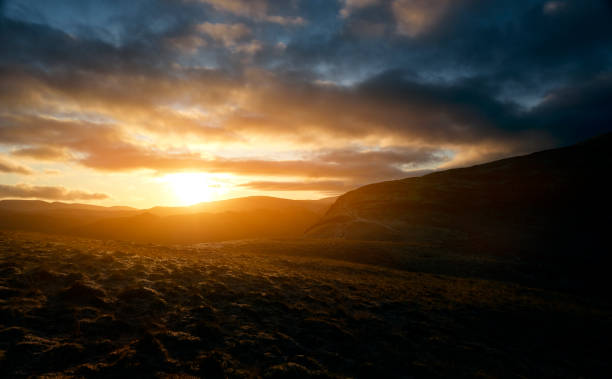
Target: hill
(249,203)
(56,217)
(248,217)
(44,206)
(202,227)
(550,203)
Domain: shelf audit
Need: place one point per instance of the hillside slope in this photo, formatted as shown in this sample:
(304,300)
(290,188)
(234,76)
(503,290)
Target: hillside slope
(548,202)
(56,217)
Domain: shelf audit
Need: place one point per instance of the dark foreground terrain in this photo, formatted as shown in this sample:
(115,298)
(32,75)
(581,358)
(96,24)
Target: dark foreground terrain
(324,308)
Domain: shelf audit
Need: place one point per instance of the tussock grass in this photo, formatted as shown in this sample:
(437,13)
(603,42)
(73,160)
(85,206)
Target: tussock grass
(73,307)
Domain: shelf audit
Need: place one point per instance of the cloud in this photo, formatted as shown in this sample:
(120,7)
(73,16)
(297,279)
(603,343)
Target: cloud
(478,81)
(103,148)
(214,106)
(390,105)
(41,153)
(47,192)
(411,17)
(253,9)
(393,106)
(187,43)
(329,186)
(13,168)
(551,7)
(228,34)
(364,166)
(351,5)
(250,48)
(414,17)
(576,112)
(284,20)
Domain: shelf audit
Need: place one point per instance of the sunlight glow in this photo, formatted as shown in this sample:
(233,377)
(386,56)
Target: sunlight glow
(191,188)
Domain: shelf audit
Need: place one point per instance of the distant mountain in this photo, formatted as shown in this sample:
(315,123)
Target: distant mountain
(42,206)
(240,218)
(203,227)
(250,203)
(551,202)
(56,217)
(249,217)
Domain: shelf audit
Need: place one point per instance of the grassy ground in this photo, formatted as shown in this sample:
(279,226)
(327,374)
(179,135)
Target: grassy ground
(89,308)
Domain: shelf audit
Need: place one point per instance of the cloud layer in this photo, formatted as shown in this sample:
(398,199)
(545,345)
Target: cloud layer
(333,93)
(47,192)
(9,167)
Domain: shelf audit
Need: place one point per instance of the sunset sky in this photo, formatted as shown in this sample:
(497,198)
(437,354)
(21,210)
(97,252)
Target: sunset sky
(171,102)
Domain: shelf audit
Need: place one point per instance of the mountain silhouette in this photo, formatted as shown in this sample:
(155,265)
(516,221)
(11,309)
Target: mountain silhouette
(549,203)
(249,203)
(248,217)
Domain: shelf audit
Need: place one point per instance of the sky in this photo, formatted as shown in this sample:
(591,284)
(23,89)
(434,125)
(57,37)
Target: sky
(172,102)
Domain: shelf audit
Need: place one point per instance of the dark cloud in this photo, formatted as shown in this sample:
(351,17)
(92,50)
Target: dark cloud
(575,112)
(47,192)
(392,105)
(526,49)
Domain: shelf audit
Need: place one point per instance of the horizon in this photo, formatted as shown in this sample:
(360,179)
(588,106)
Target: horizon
(162,206)
(174,103)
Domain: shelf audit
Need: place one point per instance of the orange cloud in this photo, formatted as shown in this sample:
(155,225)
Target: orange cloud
(253,9)
(228,34)
(13,168)
(187,43)
(329,186)
(41,153)
(47,192)
(117,122)
(414,17)
(351,5)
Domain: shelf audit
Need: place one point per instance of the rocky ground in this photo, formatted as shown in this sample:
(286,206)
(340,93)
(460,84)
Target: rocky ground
(87,308)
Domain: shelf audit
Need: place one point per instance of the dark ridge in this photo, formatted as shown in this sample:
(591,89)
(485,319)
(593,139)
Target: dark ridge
(552,204)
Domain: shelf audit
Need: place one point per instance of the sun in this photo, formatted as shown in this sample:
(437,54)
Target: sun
(191,188)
